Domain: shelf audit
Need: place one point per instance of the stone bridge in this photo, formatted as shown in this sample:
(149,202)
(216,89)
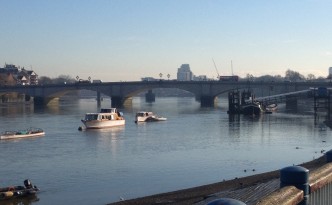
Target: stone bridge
(121,92)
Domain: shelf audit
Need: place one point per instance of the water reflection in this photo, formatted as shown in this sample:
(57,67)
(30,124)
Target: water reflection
(105,132)
(16,109)
(27,200)
(106,139)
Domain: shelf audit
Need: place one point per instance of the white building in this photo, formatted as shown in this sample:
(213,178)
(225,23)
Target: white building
(184,73)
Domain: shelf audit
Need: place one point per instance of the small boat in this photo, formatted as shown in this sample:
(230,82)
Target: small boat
(148,117)
(107,117)
(13,192)
(271,107)
(31,132)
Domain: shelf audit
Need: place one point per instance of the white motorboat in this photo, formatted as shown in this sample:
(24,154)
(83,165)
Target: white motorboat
(107,117)
(148,117)
(31,132)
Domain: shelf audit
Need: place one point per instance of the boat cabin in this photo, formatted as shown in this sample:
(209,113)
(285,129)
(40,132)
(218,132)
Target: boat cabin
(108,110)
(100,116)
(104,114)
(144,114)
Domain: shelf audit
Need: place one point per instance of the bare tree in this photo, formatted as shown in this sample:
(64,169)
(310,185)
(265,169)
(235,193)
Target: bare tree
(311,77)
(294,76)
(44,80)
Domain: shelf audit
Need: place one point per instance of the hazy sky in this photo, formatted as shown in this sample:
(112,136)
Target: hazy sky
(116,40)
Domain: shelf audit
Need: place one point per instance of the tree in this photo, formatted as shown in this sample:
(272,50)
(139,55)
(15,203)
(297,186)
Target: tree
(270,78)
(43,80)
(250,77)
(63,79)
(311,77)
(294,76)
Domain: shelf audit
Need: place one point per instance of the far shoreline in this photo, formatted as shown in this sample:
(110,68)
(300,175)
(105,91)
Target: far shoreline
(197,194)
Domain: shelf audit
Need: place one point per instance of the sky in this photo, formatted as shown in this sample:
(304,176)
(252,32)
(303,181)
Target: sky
(125,40)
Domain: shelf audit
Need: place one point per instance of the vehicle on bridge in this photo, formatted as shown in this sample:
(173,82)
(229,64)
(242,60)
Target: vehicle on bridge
(107,117)
(81,81)
(231,78)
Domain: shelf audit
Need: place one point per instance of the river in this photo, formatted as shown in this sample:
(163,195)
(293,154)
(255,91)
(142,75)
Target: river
(195,146)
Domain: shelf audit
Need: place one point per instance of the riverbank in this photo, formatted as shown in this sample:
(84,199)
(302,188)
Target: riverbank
(197,194)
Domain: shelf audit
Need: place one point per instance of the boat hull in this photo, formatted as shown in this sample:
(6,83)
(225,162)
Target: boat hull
(97,124)
(19,136)
(14,192)
(150,119)
(251,109)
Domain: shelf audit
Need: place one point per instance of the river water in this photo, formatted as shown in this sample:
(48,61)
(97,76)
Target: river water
(195,146)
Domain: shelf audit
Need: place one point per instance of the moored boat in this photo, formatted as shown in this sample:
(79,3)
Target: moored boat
(252,108)
(143,116)
(13,192)
(271,107)
(107,117)
(31,132)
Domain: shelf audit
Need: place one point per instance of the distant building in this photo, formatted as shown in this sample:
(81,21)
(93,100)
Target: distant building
(12,75)
(184,73)
(330,71)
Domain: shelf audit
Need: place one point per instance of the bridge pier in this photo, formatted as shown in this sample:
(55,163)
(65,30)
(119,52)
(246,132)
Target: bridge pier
(291,103)
(150,97)
(208,101)
(98,99)
(39,101)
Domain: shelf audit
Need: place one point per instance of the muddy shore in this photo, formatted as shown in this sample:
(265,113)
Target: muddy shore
(197,194)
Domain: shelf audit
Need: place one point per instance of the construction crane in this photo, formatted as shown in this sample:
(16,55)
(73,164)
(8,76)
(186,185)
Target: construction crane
(232,78)
(216,68)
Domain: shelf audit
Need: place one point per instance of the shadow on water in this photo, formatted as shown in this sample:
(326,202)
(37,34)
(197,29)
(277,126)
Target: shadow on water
(27,200)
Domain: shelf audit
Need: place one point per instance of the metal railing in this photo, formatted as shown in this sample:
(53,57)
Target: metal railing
(321,186)
(322,197)
(317,192)
(299,187)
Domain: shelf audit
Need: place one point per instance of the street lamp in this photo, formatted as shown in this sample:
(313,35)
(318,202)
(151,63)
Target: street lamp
(160,75)
(168,75)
